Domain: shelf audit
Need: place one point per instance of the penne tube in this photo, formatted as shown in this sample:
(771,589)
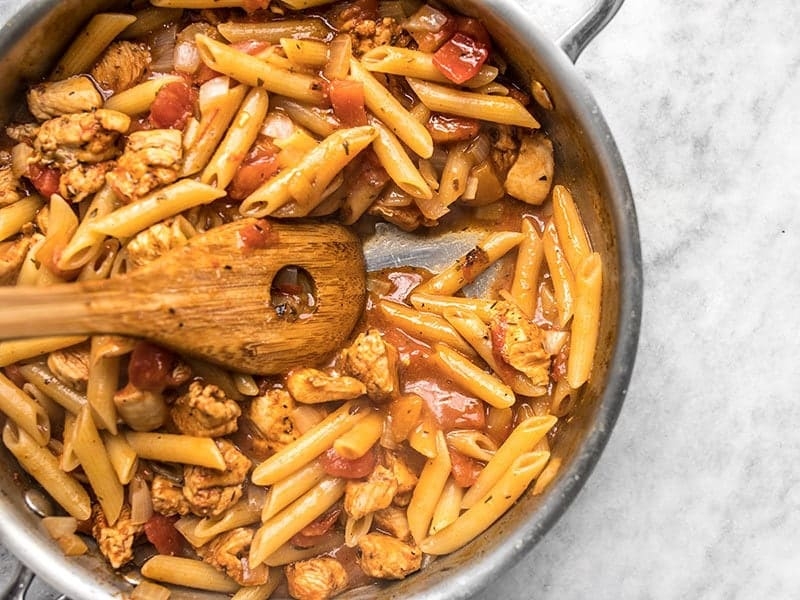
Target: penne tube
(55,412)
(562,398)
(305,52)
(361,438)
(241,514)
(274,31)
(306,183)
(467,268)
(289,553)
(422,438)
(491,506)
(586,320)
(171,447)
(139,98)
(569,226)
(201,4)
(472,443)
(301,4)
(525,283)
(24,411)
(102,385)
(188,572)
(547,476)
(432,303)
(472,378)
(388,109)
(280,528)
(42,377)
(310,445)
(394,158)
(122,456)
(485,107)
(240,136)
(69,461)
(257,73)
(90,43)
(157,206)
(97,467)
(147,590)
(414,63)
(21,212)
(428,327)
(186,527)
(85,244)
(289,489)
(428,491)
(560,274)
(68,493)
(448,507)
(150,19)
(318,121)
(356,528)
(522,440)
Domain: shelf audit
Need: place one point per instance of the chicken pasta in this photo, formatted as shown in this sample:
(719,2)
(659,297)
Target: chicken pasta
(445,404)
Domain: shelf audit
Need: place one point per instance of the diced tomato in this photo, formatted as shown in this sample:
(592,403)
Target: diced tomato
(161,532)
(260,164)
(173,105)
(465,470)
(473,28)
(318,530)
(338,466)
(461,58)
(151,366)
(347,99)
(44,179)
(445,129)
(257,235)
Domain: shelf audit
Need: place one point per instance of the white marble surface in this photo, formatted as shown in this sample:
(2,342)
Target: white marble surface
(697,493)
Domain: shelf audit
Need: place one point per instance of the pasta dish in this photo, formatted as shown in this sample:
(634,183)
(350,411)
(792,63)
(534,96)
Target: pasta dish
(442,408)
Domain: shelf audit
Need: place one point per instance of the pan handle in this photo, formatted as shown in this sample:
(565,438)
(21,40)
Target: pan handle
(577,37)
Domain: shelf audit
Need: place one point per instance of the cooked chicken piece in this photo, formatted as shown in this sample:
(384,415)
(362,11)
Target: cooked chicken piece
(406,479)
(312,386)
(505,147)
(211,492)
(148,245)
(83,180)
(407,218)
(151,159)
(205,411)
(229,553)
(121,65)
(115,541)
(71,365)
(10,188)
(12,255)
(364,497)
(65,97)
(531,176)
(394,521)
(316,579)
(88,137)
(374,361)
(521,346)
(141,410)
(24,133)
(385,557)
(168,498)
(271,413)
(368,33)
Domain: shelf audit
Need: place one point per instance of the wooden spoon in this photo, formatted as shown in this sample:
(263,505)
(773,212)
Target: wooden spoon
(211,298)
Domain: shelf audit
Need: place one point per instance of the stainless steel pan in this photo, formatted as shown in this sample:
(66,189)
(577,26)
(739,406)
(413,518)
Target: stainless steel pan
(34,32)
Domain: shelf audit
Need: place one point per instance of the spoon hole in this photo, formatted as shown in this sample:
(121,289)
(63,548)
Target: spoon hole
(293,294)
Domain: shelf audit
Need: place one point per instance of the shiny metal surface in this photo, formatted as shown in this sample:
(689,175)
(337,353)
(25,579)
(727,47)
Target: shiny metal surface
(34,32)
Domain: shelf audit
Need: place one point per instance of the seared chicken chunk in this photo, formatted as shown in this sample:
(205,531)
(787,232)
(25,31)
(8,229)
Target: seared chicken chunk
(367,34)
(385,557)
(521,343)
(271,413)
(229,553)
(65,97)
(168,498)
(364,497)
(374,361)
(531,176)
(12,255)
(148,245)
(87,137)
(71,365)
(394,521)
(10,188)
(115,541)
(312,386)
(205,411)
(122,65)
(141,410)
(316,579)
(406,479)
(83,180)
(211,492)
(151,159)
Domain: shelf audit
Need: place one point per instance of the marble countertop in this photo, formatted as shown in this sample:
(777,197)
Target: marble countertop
(697,493)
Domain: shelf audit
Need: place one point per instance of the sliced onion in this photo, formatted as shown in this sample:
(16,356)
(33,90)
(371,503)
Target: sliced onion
(426,19)
(20,155)
(391,9)
(278,126)
(141,501)
(186,57)
(341,50)
(212,91)
(162,49)
(479,149)
(553,341)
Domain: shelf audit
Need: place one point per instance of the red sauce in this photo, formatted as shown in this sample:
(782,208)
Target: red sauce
(257,235)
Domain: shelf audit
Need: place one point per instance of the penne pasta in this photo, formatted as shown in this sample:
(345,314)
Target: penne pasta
(569,227)
(241,514)
(102,385)
(472,378)
(470,524)
(547,476)
(560,274)
(486,107)
(40,376)
(414,63)
(122,456)
(530,255)
(428,327)
(305,52)
(188,572)
(289,553)
(171,447)
(274,31)
(356,442)
(440,305)
(138,99)
(472,443)
(586,320)
(263,591)
(398,164)
(428,491)
(24,411)
(14,216)
(447,508)
(85,244)
(90,43)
